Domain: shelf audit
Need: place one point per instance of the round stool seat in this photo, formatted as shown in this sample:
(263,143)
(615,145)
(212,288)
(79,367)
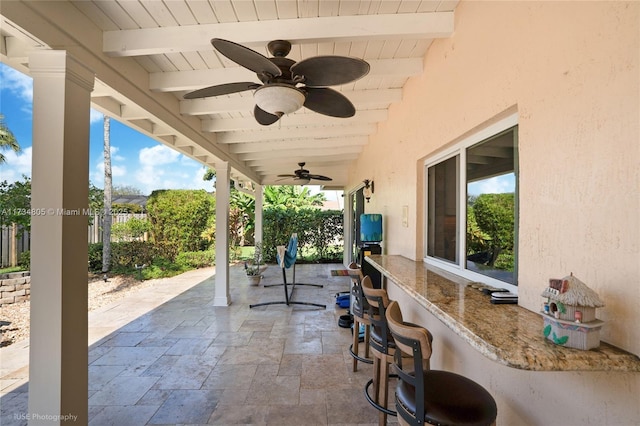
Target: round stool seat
(382,341)
(449,399)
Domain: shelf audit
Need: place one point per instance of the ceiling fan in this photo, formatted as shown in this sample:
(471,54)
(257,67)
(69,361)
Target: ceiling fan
(303,174)
(288,85)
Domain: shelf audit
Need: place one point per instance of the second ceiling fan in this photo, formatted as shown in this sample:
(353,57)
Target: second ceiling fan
(288,85)
(303,174)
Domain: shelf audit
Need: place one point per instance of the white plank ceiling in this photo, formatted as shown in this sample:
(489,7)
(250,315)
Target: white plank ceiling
(162,50)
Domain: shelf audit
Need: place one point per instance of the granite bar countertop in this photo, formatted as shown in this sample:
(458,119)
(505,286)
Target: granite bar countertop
(508,334)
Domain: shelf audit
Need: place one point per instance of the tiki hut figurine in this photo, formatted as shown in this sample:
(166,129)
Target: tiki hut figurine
(570,314)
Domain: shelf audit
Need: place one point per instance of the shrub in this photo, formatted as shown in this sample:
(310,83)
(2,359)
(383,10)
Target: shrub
(196,259)
(179,217)
(132,229)
(24,260)
(95,257)
(125,255)
(130,253)
(319,231)
(161,268)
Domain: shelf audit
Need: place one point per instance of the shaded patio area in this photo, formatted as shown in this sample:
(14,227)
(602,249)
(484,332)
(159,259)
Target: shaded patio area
(188,362)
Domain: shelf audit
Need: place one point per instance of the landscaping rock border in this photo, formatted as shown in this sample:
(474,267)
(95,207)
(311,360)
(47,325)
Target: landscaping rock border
(15,287)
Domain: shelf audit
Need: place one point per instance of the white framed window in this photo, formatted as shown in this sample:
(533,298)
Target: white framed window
(472,206)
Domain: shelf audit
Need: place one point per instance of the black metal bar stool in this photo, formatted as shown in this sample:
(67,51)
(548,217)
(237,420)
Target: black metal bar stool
(358,310)
(433,396)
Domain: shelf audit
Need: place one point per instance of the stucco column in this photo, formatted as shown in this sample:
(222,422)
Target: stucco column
(258,213)
(223,181)
(58,356)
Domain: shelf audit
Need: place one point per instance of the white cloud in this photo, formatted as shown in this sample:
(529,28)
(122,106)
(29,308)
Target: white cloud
(16,165)
(97,175)
(95,116)
(186,161)
(158,155)
(158,169)
(198,183)
(16,82)
(114,154)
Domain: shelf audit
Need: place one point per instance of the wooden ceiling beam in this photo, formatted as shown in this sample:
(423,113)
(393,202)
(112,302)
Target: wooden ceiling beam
(195,79)
(190,38)
(361,99)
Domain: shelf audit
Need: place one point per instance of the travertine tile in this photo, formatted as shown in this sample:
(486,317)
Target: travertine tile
(248,414)
(295,415)
(123,391)
(190,363)
(124,415)
(230,377)
(130,356)
(187,406)
(189,346)
(126,339)
(100,375)
(280,390)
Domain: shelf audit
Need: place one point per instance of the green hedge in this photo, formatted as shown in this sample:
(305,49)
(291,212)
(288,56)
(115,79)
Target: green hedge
(125,255)
(179,217)
(196,259)
(319,231)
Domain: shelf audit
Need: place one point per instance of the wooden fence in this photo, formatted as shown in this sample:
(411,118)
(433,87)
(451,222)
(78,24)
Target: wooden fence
(11,247)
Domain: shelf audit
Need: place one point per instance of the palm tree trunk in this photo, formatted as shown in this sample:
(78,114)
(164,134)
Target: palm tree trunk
(108,186)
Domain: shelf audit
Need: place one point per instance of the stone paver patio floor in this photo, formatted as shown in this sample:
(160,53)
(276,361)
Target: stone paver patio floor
(166,356)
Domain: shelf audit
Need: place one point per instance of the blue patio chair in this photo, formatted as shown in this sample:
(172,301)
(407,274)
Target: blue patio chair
(286,258)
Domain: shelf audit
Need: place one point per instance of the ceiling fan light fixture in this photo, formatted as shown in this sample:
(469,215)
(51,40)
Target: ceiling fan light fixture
(279,99)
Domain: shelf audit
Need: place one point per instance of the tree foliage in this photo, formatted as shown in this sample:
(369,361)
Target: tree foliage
(7,140)
(119,190)
(291,197)
(131,230)
(242,222)
(318,230)
(15,203)
(96,198)
(179,217)
(493,223)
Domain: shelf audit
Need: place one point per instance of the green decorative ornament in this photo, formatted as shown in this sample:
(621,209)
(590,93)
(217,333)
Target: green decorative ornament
(560,340)
(547,331)
(562,308)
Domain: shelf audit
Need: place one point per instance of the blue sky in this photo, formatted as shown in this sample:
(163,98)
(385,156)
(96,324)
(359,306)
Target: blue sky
(137,160)
(493,185)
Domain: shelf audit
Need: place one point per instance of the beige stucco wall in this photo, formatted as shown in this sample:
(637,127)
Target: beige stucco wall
(571,72)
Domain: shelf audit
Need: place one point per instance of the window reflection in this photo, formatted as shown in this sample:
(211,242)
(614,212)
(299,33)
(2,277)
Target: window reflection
(491,207)
(443,210)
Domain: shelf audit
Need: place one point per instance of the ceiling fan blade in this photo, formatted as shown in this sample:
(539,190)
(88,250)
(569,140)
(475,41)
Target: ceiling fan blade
(287,176)
(222,89)
(246,57)
(329,102)
(318,177)
(320,71)
(263,117)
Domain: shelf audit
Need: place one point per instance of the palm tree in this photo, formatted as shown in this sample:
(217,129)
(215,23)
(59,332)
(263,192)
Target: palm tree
(7,140)
(288,196)
(106,224)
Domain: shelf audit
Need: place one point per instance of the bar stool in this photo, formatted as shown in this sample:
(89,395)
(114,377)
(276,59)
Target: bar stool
(382,348)
(433,396)
(358,310)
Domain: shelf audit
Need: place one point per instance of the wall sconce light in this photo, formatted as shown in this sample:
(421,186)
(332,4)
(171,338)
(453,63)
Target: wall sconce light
(368,189)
